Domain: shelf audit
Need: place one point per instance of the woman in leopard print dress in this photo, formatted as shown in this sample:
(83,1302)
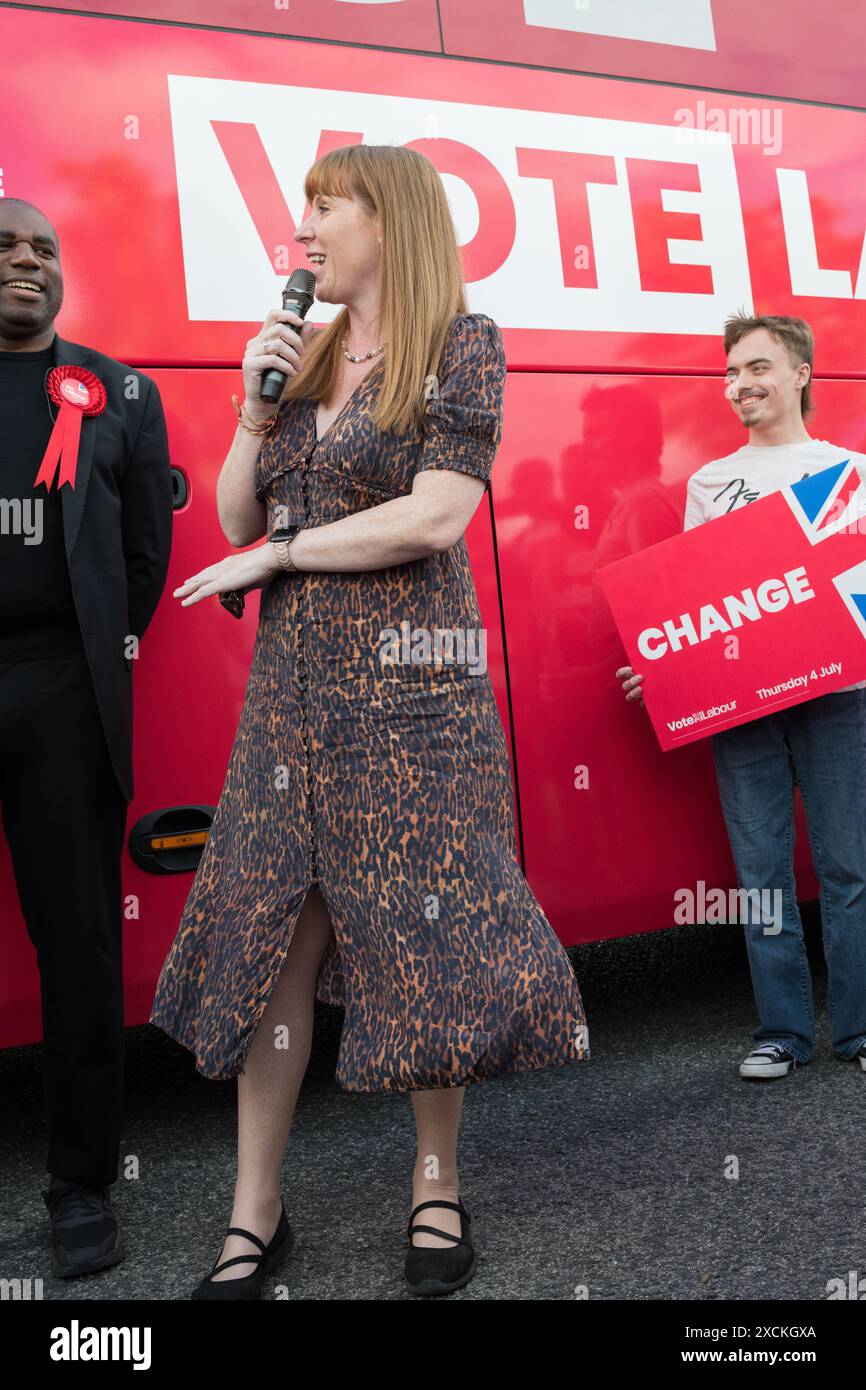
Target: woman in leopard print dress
(363,850)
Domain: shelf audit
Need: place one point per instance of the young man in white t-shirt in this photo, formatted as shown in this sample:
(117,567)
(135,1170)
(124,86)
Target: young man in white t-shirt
(819,745)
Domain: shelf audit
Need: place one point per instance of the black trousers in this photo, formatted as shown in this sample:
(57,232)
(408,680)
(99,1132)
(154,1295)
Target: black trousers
(64,817)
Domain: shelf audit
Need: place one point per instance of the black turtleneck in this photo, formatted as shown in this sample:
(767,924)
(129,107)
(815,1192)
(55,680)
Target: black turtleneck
(37,613)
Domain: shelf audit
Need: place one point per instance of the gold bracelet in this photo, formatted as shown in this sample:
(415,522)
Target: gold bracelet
(266,426)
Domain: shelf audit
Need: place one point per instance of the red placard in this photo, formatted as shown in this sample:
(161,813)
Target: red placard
(751,612)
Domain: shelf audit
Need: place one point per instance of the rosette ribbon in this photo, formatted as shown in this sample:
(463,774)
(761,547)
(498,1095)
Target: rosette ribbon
(78,393)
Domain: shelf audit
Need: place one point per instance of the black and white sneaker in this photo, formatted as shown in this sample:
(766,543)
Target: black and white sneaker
(767,1062)
(860,1055)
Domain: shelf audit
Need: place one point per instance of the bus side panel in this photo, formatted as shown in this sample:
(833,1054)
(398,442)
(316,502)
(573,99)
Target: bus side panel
(780,47)
(730,44)
(597,230)
(406,24)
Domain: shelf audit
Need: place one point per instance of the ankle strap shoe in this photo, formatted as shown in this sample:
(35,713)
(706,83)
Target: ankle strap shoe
(430,1271)
(250,1285)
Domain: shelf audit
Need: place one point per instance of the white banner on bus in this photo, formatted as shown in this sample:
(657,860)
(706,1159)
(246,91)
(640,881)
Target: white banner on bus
(229,275)
(682,23)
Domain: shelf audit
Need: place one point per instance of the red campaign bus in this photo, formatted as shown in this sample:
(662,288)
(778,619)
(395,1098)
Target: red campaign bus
(622,177)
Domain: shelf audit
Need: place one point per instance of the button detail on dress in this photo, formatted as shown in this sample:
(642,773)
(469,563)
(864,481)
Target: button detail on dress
(302,685)
(308,777)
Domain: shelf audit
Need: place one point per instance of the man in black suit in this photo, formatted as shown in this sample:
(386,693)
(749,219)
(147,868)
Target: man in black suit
(81,572)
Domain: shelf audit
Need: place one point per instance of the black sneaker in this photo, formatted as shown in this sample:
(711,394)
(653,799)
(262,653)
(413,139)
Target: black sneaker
(85,1233)
(767,1062)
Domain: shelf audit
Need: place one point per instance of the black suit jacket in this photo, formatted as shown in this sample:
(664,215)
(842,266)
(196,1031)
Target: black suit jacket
(117,524)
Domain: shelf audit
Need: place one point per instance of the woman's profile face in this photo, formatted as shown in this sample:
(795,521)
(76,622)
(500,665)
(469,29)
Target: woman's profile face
(343,232)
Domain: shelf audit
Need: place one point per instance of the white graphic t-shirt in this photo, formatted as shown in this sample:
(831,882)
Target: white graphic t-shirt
(754,471)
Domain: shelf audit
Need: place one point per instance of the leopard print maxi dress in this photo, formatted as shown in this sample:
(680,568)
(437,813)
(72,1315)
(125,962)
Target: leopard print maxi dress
(387,783)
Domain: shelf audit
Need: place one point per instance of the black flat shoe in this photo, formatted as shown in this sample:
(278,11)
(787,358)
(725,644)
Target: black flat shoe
(430,1271)
(85,1233)
(250,1286)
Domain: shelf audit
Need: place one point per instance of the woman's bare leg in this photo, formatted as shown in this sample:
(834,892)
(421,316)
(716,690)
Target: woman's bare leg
(437,1120)
(268,1089)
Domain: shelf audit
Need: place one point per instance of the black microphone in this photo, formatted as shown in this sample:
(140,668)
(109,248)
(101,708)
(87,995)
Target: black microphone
(299,294)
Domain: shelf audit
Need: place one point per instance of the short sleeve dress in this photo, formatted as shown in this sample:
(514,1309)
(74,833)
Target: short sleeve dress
(370,759)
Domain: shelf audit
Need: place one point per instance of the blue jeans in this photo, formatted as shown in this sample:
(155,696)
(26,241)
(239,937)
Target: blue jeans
(821,746)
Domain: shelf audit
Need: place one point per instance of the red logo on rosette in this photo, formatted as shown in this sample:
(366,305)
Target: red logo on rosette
(78,393)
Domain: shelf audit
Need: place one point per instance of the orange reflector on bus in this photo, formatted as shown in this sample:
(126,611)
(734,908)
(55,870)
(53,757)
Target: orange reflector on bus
(195,837)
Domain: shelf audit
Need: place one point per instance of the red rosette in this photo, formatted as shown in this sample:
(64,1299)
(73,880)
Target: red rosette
(88,395)
(77,392)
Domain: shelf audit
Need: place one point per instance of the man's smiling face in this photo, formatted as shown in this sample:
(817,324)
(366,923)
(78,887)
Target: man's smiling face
(31,281)
(763,381)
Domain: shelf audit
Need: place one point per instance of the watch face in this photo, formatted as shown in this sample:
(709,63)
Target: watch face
(284,533)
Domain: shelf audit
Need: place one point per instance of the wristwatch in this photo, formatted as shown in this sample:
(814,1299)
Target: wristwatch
(281,540)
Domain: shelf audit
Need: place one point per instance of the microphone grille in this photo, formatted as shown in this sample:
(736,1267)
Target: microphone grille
(303,280)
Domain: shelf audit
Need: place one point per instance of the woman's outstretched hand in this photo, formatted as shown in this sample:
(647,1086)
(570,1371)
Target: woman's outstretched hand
(250,570)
